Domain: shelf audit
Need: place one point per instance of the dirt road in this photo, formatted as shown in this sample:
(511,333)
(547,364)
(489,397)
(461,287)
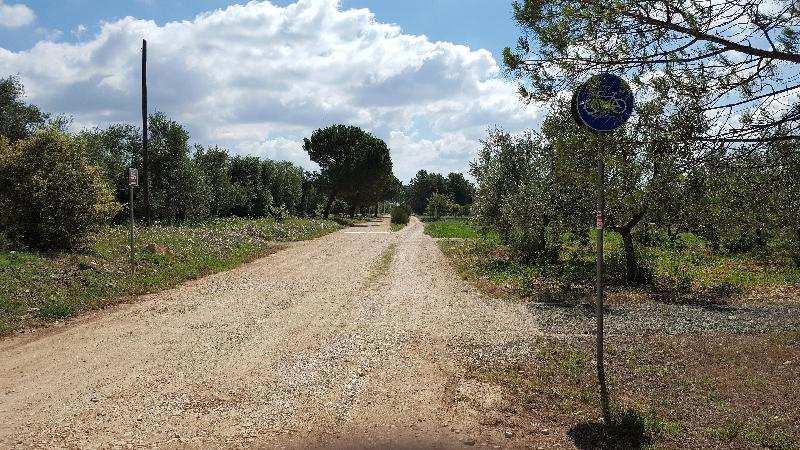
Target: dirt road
(351,340)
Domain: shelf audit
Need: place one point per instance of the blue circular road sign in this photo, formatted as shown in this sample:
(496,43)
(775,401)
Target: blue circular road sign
(603,103)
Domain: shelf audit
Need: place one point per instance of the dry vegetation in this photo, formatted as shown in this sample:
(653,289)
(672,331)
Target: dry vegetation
(687,391)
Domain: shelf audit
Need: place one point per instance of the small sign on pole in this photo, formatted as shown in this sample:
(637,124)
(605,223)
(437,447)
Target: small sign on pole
(133,177)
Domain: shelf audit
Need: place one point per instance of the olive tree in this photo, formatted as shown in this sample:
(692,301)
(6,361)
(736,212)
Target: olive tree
(18,120)
(514,195)
(177,185)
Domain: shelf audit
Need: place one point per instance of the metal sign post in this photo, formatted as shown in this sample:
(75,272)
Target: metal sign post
(600,277)
(602,104)
(133,181)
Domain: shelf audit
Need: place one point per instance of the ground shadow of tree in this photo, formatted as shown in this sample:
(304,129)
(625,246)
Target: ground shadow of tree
(626,432)
(715,296)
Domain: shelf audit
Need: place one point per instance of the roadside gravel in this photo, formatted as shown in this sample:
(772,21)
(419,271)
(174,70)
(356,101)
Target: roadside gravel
(661,318)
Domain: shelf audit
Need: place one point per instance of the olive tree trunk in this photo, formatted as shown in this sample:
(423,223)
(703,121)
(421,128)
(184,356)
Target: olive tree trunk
(626,230)
(331,199)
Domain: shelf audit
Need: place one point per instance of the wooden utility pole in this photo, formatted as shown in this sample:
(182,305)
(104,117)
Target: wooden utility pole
(145,155)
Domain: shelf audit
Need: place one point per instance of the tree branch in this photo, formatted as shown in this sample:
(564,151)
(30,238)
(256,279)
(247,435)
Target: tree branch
(746,49)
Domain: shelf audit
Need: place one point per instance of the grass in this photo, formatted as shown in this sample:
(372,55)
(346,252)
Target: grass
(37,288)
(450,228)
(693,400)
(435,219)
(689,273)
(383,264)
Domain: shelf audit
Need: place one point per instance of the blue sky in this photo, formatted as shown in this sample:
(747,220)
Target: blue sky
(478,23)
(257,77)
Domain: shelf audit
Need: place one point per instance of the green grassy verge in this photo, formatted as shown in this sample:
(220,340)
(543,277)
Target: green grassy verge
(450,228)
(381,267)
(37,288)
(436,219)
(689,391)
(689,272)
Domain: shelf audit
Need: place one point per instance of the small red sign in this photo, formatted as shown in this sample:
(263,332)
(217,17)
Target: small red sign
(600,222)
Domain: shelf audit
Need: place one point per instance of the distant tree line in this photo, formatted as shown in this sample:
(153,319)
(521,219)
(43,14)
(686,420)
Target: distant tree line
(436,195)
(56,186)
(194,183)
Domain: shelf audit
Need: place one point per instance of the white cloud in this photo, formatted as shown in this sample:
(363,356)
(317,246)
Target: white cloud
(80,31)
(16,15)
(257,78)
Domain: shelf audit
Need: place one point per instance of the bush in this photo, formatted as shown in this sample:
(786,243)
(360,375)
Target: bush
(744,241)
(401,214)
(52,198)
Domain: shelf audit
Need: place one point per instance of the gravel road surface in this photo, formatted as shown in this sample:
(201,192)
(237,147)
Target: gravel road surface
(320,345)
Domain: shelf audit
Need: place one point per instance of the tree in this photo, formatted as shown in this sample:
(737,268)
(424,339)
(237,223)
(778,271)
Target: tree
(383,189)
(215,164)
(353,164)
(723,59)
(760,197)
(312,196)
(18,120)
(642,179)
(780,192)
(514,195)
(395,191)
(177,187)
(439,205)
(250,198)
(425,185)
(50,195)
(284,180)
(422,187)
(460,189)
(114,150)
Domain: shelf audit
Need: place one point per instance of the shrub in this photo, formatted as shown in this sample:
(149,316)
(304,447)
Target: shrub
(738,242)
(401,214)
(51,196)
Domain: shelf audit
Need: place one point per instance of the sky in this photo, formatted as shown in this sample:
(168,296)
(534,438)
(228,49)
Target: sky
(257,77)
